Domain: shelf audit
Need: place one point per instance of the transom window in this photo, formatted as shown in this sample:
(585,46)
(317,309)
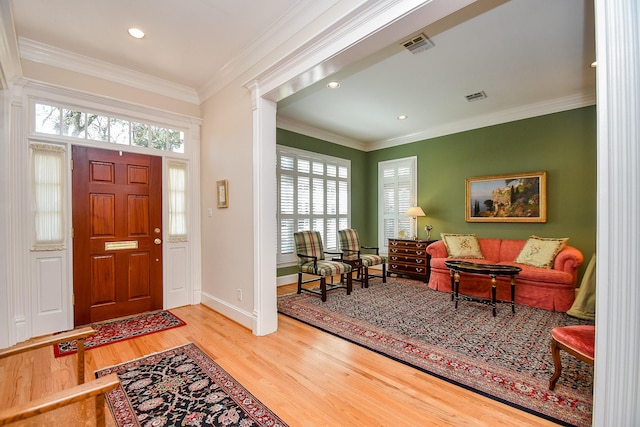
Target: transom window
(71,122)
(313,194)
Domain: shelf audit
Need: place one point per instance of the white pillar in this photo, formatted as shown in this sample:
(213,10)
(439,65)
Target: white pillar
(617,356)
(265,313)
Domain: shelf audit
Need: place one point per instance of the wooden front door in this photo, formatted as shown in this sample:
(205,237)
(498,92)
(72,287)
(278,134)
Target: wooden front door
(117,223)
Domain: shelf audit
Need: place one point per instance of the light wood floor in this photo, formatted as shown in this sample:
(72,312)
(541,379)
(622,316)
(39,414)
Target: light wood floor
(307,377)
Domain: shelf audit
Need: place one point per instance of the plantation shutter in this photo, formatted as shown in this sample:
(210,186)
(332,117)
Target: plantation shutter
(313,194)
(397,192)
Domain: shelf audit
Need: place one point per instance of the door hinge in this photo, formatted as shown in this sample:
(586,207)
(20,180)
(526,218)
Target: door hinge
(71,162)
(72,235)
(73,299)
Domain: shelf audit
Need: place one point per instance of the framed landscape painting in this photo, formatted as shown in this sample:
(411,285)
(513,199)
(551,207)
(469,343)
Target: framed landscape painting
(507,198)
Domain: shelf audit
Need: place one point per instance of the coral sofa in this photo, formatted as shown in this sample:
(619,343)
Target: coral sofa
(546,288)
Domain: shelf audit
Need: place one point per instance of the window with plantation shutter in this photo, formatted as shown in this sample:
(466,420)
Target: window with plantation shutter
(313,194)
(397,192)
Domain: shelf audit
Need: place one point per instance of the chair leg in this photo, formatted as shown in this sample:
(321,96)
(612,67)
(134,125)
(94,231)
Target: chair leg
(555,353)
(384,273)
(323,288)
(349,283)
(299,282)
(365,279)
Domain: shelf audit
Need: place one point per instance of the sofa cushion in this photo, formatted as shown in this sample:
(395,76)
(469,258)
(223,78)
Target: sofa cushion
(542,275)
(462,245)
(510,249)
(541,251)
(492,249)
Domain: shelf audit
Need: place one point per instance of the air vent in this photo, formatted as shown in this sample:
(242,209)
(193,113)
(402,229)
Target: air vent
(418,43)
(476,96)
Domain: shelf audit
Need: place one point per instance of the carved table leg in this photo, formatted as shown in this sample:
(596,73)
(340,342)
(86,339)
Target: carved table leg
(513,294)
(456,278)
(493,294)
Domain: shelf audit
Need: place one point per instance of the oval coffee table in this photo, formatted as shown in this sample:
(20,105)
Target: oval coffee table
(492,270)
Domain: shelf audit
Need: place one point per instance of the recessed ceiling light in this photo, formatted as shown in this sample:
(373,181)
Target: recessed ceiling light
(333,85)
(402,117)
(136,33)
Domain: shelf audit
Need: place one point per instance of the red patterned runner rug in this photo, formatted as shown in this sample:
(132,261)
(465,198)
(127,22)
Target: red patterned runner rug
(122,329)
(183,387)
(506,358)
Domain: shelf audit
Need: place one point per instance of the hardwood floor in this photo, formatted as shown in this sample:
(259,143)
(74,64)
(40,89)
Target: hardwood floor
(307,377)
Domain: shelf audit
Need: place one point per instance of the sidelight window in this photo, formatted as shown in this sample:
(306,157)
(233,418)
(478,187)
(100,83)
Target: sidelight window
(48,181)
(177,201)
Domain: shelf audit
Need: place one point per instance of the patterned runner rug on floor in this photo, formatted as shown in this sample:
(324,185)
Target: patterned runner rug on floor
(507,358)
(182,387)
(122,329)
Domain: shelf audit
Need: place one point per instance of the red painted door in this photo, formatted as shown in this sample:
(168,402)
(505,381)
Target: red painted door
(117,223)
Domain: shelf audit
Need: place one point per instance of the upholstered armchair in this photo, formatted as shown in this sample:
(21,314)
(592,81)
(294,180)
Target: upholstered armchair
(311,261)
(352,250)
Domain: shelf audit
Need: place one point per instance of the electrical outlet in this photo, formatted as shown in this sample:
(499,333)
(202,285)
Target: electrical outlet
(239,294)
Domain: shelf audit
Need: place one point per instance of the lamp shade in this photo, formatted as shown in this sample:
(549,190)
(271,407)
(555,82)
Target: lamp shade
(415,211)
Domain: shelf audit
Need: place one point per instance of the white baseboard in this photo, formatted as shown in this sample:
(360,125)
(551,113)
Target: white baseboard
(236,314)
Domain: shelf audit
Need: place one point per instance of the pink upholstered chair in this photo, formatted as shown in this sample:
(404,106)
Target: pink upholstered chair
(578,341)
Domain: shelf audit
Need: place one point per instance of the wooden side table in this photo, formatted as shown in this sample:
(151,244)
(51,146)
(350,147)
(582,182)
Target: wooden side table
(410,258)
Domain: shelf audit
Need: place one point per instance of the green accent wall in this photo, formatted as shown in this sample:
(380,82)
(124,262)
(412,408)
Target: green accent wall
(562,144)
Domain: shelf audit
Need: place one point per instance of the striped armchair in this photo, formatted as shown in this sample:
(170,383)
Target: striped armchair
(311,261)
(352,250)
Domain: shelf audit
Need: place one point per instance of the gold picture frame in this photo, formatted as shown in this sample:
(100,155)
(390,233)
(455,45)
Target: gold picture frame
(518,197)
(222,187)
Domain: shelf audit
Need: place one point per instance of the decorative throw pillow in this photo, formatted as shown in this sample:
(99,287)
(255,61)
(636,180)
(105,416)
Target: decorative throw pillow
(541,251)
(462,245)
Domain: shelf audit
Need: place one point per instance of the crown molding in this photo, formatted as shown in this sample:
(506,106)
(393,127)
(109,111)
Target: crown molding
(60,58)
(10,67)
(303,66)
(499,117)
(519,113)
(295,20)
(314,132)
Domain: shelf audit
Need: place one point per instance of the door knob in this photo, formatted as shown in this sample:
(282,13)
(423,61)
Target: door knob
(157,241)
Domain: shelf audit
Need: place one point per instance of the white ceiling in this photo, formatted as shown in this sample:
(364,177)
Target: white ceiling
(531,57)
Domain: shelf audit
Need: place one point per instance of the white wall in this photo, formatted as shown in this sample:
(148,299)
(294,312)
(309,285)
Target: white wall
(227,235)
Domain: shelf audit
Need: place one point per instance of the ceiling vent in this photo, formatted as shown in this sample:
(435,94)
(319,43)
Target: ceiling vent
(476,96)
(418,44)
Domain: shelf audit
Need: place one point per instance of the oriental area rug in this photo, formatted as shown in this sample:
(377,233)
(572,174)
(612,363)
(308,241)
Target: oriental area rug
(182,387)
(506,358)
(122,329)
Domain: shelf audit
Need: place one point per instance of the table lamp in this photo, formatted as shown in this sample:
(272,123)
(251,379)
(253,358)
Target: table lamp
(414,212)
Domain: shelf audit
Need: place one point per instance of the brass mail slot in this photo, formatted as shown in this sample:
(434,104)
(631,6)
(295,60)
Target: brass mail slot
(117,246)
